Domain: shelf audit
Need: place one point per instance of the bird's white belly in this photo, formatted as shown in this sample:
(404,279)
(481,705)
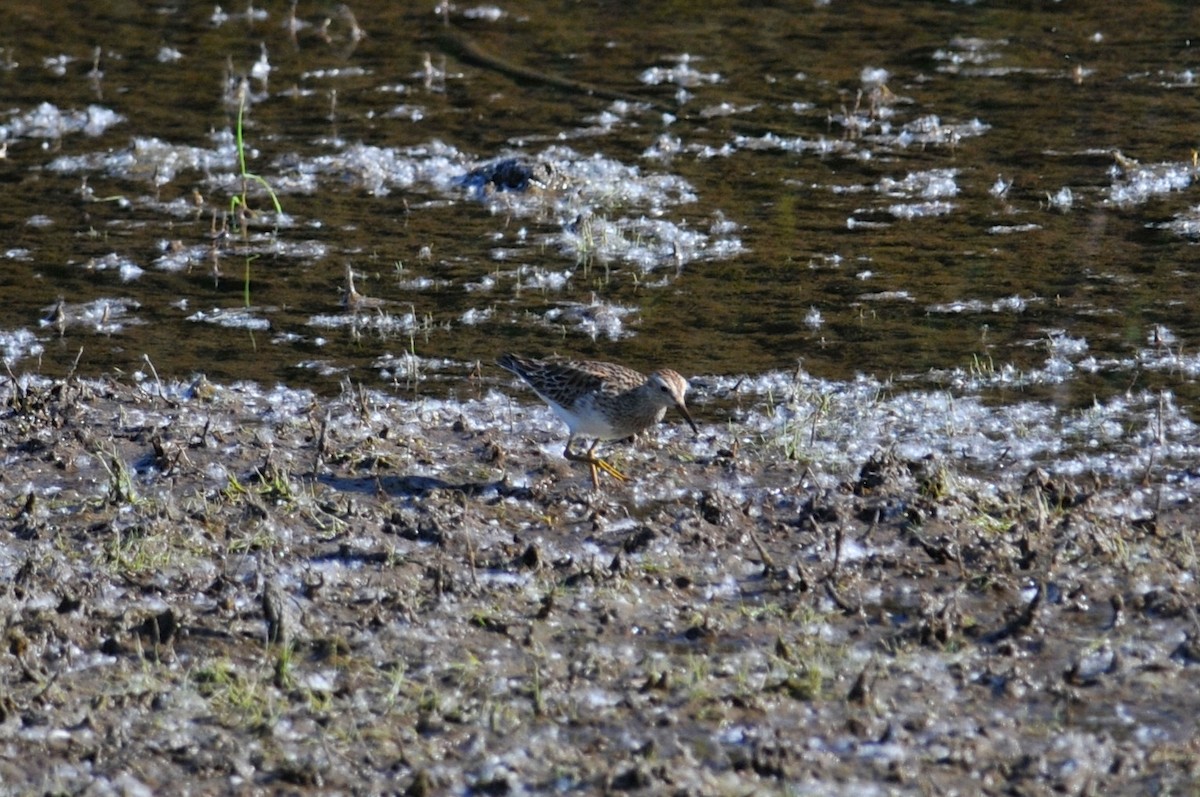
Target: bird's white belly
(603,421)
(585,420)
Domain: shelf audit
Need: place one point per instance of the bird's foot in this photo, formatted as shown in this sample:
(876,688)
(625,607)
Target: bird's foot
(599,464)
(595,465)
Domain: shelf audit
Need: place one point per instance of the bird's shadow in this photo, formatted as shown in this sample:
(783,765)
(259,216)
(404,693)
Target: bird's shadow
(415,485)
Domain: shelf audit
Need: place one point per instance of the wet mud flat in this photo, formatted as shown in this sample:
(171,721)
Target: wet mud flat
(219,588)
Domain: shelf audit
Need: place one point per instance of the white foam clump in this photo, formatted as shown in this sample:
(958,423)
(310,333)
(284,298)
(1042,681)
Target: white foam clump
(540,279)
(931,131)
(410,113)
(665,147)
(108,316)
(485,283)
(818,146)
(49,121)
(636,228)
(599,180)
(682,74)
(1186,224)
(125,268)
(967,51)
(1008,304)
(282,403)
(378,321)
(1136,184)
(1012,229)
(873,76)
(841,425)
(725,109)
(887,296)
(598,319)
(645,242)
(920,210)
(337,73)
(182,259)
(929,184)
(231,319)
(1063,345)
(475,316)
(1063,199)
(1167,360)
(421,283)
(17,344)
(488,13)
(380,170)
(153,159)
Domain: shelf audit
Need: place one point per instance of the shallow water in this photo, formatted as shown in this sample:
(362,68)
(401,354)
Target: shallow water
(925,192)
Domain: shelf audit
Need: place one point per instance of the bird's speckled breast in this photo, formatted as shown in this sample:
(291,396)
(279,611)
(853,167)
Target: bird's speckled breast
(609,416)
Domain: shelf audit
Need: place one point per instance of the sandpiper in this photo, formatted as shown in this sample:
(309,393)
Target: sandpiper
(603,401)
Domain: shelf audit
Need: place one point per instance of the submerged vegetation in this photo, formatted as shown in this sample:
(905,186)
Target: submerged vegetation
(239,204)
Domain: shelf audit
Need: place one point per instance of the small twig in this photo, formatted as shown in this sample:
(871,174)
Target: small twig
(767,561)
(837,554)
(157,381)
(75,364)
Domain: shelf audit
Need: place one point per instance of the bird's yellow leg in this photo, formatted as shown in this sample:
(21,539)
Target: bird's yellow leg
(595,463)
(610,469)
(607,467)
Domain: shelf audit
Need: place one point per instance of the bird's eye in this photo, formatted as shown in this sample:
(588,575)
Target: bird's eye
(664,388)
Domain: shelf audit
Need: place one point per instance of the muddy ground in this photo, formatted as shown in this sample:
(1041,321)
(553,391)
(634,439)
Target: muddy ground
(209,589)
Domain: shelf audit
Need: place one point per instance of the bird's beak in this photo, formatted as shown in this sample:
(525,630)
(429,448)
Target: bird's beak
(688,416)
